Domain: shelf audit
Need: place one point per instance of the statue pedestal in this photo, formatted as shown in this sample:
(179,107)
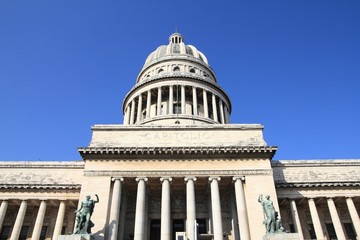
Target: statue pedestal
(281,236)
(76,237)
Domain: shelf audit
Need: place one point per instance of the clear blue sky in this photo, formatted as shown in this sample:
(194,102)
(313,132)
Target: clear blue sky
(293,66)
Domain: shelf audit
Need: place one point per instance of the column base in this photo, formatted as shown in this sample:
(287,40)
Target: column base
(282,236)
(76,237)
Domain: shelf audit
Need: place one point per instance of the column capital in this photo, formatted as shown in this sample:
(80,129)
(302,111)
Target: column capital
(165,178)
(190,178)
(141,178)
(113,179)
(241,178)
(214,178)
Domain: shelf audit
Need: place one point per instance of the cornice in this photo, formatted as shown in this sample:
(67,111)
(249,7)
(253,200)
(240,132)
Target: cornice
(177,150)
(48,164)
(317,184)
(177,173)
(42,186)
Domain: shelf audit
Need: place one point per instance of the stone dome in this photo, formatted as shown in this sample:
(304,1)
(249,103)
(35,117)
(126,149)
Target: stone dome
(176,48)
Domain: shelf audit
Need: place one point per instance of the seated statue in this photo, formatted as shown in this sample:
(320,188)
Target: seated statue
(83,215)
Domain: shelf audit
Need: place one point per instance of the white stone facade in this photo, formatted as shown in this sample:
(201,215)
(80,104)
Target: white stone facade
(177,167)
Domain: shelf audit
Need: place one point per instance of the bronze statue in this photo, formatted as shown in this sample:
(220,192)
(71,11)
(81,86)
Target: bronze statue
(269,213)
(83,215)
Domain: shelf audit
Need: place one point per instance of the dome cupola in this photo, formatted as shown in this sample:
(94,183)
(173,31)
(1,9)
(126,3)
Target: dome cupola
(176,86)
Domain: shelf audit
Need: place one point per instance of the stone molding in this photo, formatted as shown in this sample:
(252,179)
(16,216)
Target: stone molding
(318,184)
(174,173)
(177,150)
(42,186)
(47,164)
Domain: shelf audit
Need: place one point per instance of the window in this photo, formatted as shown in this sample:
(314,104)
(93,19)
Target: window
(331,231)
(23,233)
(43,233)
(160,70)
(312,231)
(201,224)
(176,69)
(5,233)
(192,70)
(177,109)
(349,229)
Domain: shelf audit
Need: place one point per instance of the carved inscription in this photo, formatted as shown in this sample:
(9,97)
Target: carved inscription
(178,136)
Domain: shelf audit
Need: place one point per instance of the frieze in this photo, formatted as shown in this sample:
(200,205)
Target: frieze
(93,173)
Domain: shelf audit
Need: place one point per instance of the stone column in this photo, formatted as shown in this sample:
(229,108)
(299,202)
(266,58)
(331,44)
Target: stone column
(182,99)
(227,115)
(216,208)
(148,103)
(214,108)
(138,117)
(241,208)
(132,112)
(221,111)
(39,221)
(165,209)
(127,116)
(336,220)
(115,209)
(234,219)
(171,99)
(190,208)
(123,208)
(159,98)
(194,97)
(140,209)
(3,208)
(19,221)
(59,220)
(296,218)
(205,102)
(354,216)
(315,219)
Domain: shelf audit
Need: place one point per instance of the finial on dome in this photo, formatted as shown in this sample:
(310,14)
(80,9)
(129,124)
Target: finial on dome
(176,38)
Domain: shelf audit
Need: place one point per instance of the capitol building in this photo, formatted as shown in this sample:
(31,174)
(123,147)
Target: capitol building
(177,168)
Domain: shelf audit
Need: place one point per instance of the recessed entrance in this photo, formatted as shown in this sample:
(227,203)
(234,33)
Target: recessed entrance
(178,226)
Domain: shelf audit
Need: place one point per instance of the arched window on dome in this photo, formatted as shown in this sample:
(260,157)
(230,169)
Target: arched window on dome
(176,69)
(160,70)
(192,70)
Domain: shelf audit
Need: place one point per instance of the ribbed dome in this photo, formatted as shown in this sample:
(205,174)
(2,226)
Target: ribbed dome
(176,48)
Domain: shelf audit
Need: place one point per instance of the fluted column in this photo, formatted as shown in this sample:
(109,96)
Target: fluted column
(132,112)
(354,215)
(222,117)
(182,99)
(165,209)
(241,208)
(115,209)
(138,117)
(140,209)
(216,208)
(296,218)
(315,219)
(190,208)
(214,108)
(3,208)
(335,219)
(59,220)
(39,221)
(19,221)
(171,99)
(148,103)
(159,98)
(194,97)
(205,102)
